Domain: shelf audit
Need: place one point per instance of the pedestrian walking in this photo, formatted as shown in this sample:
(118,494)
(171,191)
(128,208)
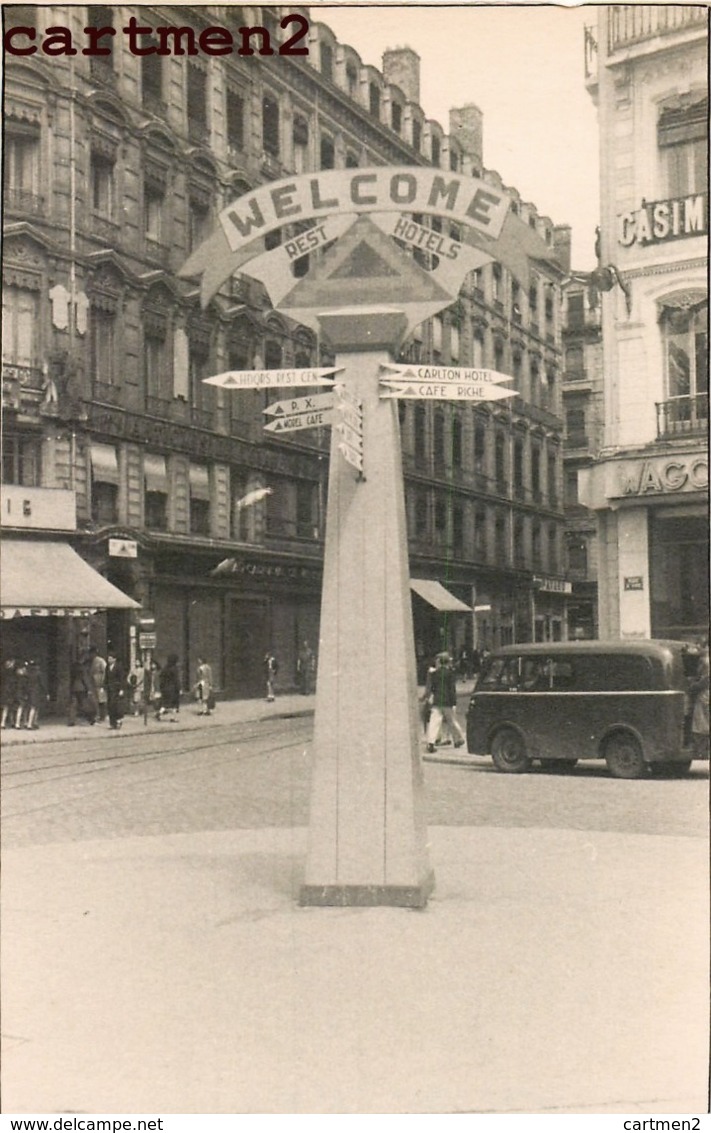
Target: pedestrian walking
(96,666)
(136,680)
(699,689)
(9,685)
(305,668)
(204,689)
(115,685)
(81,697)
(271,668)
(22,693)
(441,690)
(37,694)
(169,684)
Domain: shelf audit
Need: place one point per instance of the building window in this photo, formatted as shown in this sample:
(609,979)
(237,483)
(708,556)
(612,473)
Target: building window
(100,16)
(420,431)
(101,179)
(306,513)
(328,153)
(151,74)
(552,480)
(687,360)
(553,548)
(536,545)
(535,380)
(456,442)
(300,139)
(536,472)
(571,487)
(421,511)
(440,518)
(104,484)
(549,305)
(352,79)
(197,101)
(396,117)
(576,310)
(438,437)
(496,289)
(574,364)
(199,499)
(154,364)
(374,100)
(478,349)
(153,202)
(270,126)
(533,302)
(453,160)
(234,108)
(327,61)
(501,549)
(518,467)
(21,172)
(20,325)
(436,150)
(682,136)
(416,135)
(500,461)
(498,355)
(458,527)
(578,557)
(519,555)
(479,448)
(575,426)
(198,221)
(22,460)
(352,161)
(102,346)
(480,534)
(155,483)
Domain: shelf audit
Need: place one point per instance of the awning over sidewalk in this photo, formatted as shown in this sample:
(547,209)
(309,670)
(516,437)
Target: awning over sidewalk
(41,579)
(437,595)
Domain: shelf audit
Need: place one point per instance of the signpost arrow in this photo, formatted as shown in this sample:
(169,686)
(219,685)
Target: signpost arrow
(310,404)
(402,371)
(300,421)
(352,437)
(445,391)
(262,379)
(353,457)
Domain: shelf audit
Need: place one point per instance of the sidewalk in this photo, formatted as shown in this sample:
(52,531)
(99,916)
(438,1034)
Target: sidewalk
(226,712)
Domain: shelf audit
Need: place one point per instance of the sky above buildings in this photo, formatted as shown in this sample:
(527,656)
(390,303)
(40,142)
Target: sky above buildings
(523,66)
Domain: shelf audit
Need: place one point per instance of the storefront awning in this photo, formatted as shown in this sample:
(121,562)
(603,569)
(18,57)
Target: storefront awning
(437,595)
(41,579)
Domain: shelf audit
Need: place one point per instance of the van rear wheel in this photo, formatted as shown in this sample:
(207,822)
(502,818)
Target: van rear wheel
(623,756)
(508,752)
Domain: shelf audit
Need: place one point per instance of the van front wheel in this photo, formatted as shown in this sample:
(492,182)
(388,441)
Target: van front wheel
(624,758)
(508,752)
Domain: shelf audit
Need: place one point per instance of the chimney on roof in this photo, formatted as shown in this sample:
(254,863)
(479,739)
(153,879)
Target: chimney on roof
(466,124)
(562,241)
(401,66)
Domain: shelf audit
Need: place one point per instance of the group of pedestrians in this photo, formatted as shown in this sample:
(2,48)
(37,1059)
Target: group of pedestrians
(24,693)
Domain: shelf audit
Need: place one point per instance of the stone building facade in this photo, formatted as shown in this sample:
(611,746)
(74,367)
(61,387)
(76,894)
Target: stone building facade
(648,74)
(116,168)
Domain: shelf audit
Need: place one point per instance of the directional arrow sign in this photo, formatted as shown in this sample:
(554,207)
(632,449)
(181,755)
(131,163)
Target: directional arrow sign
(353,457)
(310,404)
(261,379)
(446,391)
(300,421)
(462,374)
(352,437)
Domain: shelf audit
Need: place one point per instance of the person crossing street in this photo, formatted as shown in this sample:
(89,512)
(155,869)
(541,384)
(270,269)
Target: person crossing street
(441,692)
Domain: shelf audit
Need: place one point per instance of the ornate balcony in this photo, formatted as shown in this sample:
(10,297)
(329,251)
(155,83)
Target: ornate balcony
(682,416)
(633,23)
(22,201)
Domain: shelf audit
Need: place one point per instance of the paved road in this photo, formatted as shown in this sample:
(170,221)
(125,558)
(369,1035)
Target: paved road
(258,775)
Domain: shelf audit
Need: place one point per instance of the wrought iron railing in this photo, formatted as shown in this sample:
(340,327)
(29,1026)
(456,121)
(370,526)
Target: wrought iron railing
(633,23)
(682,415)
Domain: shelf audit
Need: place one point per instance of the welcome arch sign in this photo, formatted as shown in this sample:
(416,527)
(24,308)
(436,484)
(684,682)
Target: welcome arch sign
(364,294)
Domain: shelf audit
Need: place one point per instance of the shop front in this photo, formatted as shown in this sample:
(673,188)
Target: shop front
(654,543)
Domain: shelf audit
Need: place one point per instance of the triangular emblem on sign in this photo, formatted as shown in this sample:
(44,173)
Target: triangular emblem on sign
(363,263)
